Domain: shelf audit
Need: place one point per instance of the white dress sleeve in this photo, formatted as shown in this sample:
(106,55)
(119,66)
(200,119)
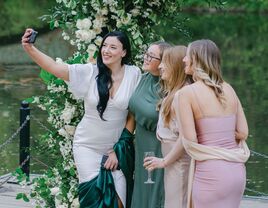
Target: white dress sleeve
(79,79)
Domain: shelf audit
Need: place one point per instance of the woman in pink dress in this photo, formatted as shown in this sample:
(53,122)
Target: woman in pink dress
(213,130)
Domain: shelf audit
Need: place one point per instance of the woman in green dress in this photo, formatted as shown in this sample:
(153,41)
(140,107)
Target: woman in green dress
(143,107)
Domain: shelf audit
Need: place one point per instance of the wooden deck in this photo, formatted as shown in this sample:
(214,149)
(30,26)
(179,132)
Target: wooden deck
(9,191)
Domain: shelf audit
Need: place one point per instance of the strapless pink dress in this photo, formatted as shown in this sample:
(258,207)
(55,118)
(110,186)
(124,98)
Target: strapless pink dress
(218,183)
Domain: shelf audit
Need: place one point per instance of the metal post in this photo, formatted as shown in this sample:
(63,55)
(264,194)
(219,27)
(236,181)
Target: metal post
(25,138)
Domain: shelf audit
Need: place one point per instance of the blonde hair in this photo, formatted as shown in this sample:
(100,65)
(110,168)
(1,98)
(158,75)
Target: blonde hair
(205,60)
(173,61)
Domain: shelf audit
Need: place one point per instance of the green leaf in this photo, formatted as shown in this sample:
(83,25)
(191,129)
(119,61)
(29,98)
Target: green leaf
(19,196)
(29,100)
(46,76)
(25,198)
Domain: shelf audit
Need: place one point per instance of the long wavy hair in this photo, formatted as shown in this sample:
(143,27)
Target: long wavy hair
(173,62)
(205,60)
(104,77)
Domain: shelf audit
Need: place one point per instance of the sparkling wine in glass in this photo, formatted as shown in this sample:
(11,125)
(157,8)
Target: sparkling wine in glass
(149,179)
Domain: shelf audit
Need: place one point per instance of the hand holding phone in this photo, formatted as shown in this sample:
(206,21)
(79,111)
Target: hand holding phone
(32,37)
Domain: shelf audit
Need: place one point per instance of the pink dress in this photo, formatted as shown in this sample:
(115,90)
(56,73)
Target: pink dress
(218,183)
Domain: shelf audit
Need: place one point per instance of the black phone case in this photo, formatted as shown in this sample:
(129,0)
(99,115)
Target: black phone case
(104,159)
(32,37)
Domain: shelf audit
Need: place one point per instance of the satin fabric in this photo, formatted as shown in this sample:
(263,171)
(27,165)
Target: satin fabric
(100,192)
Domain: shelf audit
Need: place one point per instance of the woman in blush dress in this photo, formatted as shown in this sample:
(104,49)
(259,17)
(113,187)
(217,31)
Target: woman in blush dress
(213,129)
(106,89)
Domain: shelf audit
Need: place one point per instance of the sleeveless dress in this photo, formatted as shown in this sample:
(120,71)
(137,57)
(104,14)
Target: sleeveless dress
(217,183)
(143,104)
(176,174)
(94,137)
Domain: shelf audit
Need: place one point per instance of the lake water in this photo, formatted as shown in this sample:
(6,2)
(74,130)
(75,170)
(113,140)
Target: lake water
(244,45)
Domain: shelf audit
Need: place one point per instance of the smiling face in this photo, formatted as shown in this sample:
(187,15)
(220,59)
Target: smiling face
(112,51)
(164,71)
(152,60)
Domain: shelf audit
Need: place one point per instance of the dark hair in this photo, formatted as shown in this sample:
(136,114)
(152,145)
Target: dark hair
(104,78)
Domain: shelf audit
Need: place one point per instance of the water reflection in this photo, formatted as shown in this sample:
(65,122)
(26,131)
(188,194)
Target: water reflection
(18,82)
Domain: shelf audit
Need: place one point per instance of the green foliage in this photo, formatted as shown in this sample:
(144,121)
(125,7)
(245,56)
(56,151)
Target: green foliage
(17,15)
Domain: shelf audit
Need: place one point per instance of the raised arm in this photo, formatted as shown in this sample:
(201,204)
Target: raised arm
(241,124)
(44,61)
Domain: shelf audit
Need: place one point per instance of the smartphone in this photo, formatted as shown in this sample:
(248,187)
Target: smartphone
(104,159)
(32,37)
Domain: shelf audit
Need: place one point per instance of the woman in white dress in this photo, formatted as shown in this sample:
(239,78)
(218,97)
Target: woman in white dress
(105,88)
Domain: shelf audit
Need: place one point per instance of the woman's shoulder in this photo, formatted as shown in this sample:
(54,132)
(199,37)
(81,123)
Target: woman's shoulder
(133,69)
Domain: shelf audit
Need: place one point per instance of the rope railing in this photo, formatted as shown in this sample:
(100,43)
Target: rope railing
(10,139)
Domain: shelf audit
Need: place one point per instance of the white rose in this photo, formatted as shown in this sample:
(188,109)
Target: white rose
(79,24)
(85,36)
(97,23)
(70,129)
(83,24)
(62,132)
(54,191)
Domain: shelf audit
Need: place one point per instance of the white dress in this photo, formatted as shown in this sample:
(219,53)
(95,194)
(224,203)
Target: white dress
(94,137)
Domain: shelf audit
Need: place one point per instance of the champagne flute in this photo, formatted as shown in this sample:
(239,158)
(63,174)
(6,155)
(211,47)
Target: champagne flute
(149,179)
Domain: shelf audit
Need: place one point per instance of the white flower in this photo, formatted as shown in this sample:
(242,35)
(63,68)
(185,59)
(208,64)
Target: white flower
(75,203)
(54,191)
(97,23)
(62,132)
(98,40)
(104,11)
(91,49)
(135,12)
(59,60)
(36,99)
(74,12)
(56,24)
(126,20)
(70,129)
(83,24)
(85,36)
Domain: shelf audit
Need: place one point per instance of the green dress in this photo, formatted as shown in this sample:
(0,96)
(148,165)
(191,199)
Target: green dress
(143,104)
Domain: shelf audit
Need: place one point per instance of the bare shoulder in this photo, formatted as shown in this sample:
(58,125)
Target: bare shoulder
(184,92)
(228,87)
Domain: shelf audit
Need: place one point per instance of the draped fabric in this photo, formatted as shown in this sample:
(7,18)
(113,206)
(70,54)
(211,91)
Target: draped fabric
(100,192)
(201,152)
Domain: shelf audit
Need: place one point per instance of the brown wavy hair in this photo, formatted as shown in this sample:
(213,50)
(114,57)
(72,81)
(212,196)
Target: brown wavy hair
(173,61)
